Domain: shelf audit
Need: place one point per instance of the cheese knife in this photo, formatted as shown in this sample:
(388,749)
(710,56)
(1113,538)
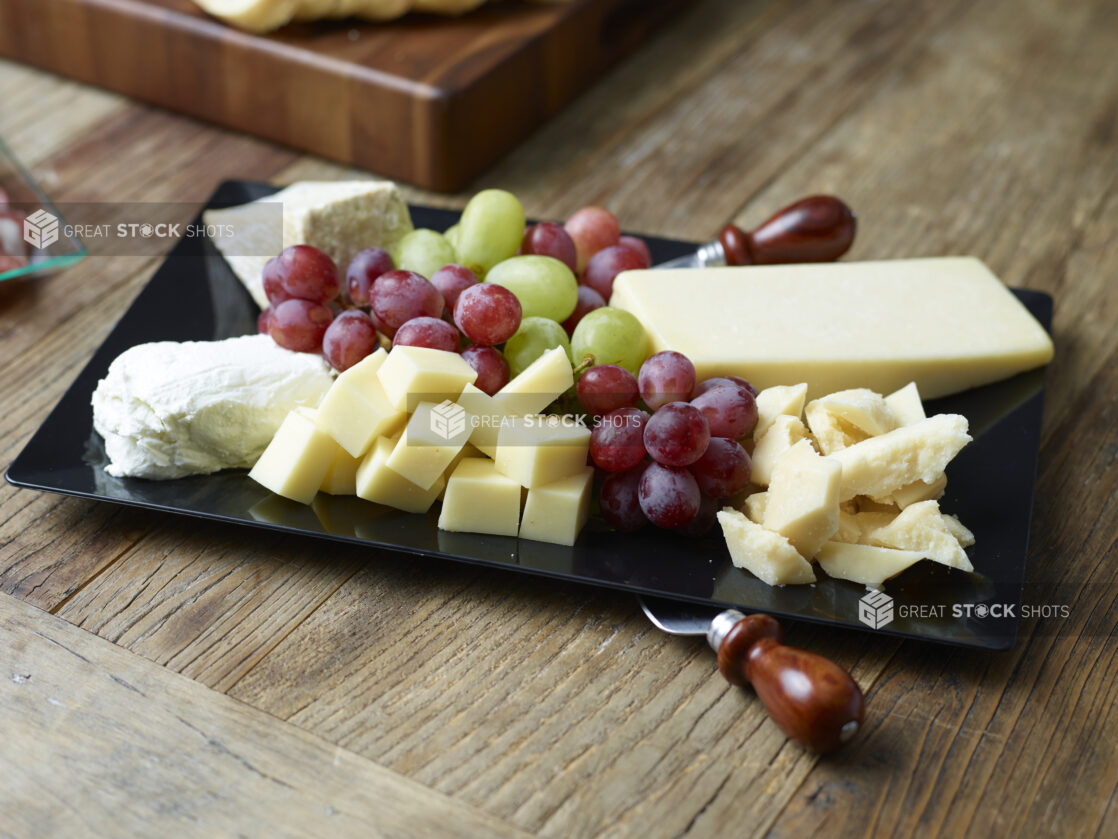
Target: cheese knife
(813,700)
(819,228)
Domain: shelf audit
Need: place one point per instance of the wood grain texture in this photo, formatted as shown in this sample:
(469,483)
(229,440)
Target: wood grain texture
(148,752)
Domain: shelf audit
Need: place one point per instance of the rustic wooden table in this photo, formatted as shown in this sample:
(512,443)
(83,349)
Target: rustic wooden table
(159,676)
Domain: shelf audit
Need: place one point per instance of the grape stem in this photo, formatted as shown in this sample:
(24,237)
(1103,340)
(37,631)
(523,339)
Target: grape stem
(584,365)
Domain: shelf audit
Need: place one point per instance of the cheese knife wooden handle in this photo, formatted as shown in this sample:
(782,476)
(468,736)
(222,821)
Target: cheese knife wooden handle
(813,700)
(819,228)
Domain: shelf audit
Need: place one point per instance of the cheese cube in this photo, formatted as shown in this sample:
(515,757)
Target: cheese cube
(864,564)
(783,433)
(948,324)
(802,502)
(485,418)
(355,410)
(433,437)
(921,527)
(414,374)
(762,552)
(906,404)
(556,512)
(881,465)
(341,476)
(479,499)
(376,482)
(295,462)
(754,506)
(541,383)
(776,401)
(538,449)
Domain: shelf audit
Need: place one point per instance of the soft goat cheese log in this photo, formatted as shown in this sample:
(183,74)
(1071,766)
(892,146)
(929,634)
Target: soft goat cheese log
(169,409)
(948,324)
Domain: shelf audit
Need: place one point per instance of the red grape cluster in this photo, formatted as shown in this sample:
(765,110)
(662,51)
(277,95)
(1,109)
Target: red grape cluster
(307,312)
(671,464)
(591,245)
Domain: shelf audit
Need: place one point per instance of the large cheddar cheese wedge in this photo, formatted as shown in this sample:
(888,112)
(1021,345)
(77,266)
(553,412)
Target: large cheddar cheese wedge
(948,324)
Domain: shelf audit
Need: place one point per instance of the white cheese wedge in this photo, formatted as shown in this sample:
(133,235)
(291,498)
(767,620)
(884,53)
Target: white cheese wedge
(479,499)
(429,443)
(866,564)
(948,324)
(784,432)
(881,465)
(297,459)
(411,375)
(541,383)
(921,527)
(169,409)
(765,554)
(356,410)
(338,217)
(862,408)
(377,483)
(919,491)
(775,401)
(557,512)
(802,502)
(906,404)
(538,449)
(754,506)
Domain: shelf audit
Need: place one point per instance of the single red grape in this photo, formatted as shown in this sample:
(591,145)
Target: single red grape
(666,377)
(617,441)
(724,469)
(706,384)
(492,369)
(606,388)
(350,338)
(669,497)
(704,519)
(398,296)
(591,229)
(451,280)
(619,501)
(550,239)
(588,301)
(363,271)
(606,264)
(677,434)
(638,244)
(299,325)
(731,410)
(273,282)
(263,320)
(308,274)
(487,313)
(434,333)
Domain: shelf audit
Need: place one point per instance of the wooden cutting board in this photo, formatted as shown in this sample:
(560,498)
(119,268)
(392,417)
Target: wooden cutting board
(427,100)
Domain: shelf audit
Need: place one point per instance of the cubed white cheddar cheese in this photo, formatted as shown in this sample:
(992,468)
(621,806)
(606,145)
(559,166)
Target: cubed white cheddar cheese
(541,383)
(433,437)
(538,449)
(377,483)
(356,410)
(766,554)
(754,506)
(881,465)
(922,528)
(948,324)
(296,460)
(776,401)
(341,476)
(906,404)
(485,418)
(556,512)
(866,564)
(784,432)
(479,499)
(803,502)
(419,374)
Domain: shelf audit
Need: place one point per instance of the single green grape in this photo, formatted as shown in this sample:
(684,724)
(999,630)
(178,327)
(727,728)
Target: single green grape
(545,287)
(611,336)
(534,337)
(490,230)
(423,251)
(451,235)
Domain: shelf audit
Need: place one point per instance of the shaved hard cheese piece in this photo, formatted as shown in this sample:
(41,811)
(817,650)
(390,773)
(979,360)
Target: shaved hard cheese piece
(831,432)
(802,502)
(784,433)
(947,324)
(921,528)
(920,491)
(765,554)
(866,564)
(865,410)
(775,401)
(906,404)
(881,465)
(754,506)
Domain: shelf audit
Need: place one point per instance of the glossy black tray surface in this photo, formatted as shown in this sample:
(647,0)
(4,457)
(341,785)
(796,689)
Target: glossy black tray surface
(194,296)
